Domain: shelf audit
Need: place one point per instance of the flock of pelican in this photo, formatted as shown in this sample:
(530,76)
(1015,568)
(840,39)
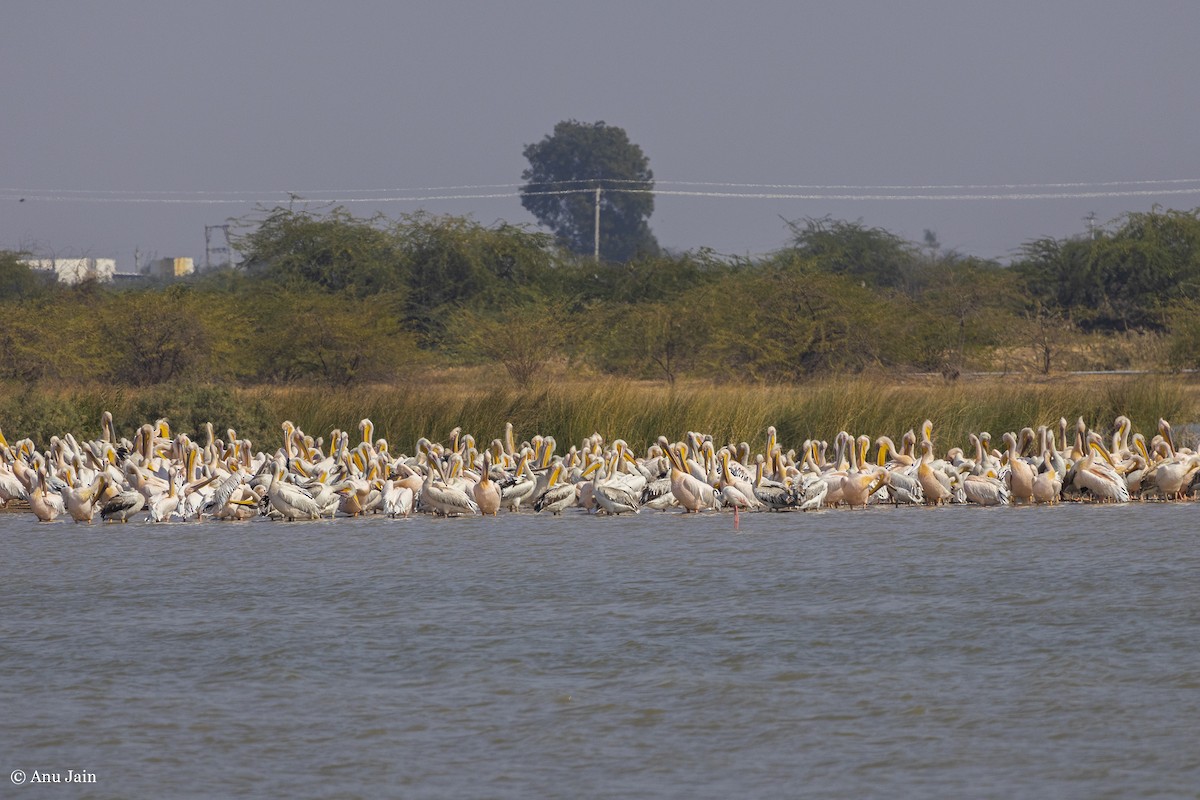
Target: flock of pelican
(161,478)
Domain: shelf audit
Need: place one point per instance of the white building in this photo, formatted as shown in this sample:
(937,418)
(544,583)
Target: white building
(74,270)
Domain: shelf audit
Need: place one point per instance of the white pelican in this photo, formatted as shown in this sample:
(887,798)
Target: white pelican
(397,499)
(289,500)
(903,486)
(356,496)
(11,487)
(328,496)
(735,490)
(1164,428)
(890,456)
(690,492)
(123,506)
(731,497)
(1120,438)
(407,477)
(524,485)
(985,490)
(1100,478)
(232,499)
(1046,485)
(658,495)
(47,506)
(859,483)
(82,502)
(443,499)
(933,482)
(614,494)
(1172,477)
(485,490)
(770,494)
(1021,473)
(162,506)
(558,495)
(834,472)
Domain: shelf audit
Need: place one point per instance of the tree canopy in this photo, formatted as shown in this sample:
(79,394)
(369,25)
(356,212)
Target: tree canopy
(565,169)
(328,298)
(1121,279)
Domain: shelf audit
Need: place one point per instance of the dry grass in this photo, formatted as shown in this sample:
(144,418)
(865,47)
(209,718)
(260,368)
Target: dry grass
(570,408)
(640,411)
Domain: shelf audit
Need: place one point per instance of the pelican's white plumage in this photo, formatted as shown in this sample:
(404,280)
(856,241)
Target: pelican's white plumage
(290,500)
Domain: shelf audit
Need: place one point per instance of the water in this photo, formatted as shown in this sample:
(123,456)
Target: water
(957,652)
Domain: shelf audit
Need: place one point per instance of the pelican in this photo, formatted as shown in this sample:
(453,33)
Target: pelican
(289,500)
(690,492)
(442,499)
(614,495)
(735,489)
(404,475)
(1047,487)
(986,489)
(82,502)
(11,487)
(1120,438)
(123,506)
(397,499)
(1173,476)
(233,499)
(1021,474)
(485,491)
(1100,479)
(162,506)
(327,496)
(859,484)
(903,486)
(45,505)
(523,487)
(356,497)
(888,454)
(626,471)
(936,489)
(770,494)
(731,497)
(658,495)
(558,495)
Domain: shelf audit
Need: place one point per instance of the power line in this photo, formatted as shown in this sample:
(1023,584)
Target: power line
(589,184)
(827,192)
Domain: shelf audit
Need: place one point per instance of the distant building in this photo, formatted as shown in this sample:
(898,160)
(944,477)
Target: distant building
(170,267)
(104,270)
(74,270)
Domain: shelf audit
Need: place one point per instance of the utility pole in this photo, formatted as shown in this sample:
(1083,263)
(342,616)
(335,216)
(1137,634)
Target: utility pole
(596,249)
(209,249)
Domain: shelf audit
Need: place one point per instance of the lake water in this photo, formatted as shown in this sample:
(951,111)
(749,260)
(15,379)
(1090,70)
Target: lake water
(955,652)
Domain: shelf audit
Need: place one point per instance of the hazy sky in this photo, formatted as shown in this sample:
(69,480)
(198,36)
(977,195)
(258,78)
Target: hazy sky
(133,124)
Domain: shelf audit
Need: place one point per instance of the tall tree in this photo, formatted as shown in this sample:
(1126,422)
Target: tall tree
(874,255)
(332,250)
(565,170)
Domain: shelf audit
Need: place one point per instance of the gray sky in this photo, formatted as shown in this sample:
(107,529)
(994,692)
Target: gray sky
(129,124)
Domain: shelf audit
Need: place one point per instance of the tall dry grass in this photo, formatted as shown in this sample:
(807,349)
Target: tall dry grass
(638,412)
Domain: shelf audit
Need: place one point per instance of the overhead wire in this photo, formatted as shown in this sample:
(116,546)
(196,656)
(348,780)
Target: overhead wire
(705,189)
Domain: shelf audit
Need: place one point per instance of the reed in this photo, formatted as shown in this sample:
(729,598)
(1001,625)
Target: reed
(639,412)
